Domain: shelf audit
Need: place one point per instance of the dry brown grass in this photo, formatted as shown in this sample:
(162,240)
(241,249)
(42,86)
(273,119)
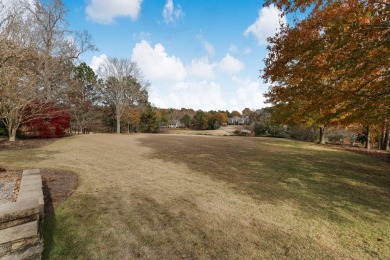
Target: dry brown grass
(223,131)
(202,197)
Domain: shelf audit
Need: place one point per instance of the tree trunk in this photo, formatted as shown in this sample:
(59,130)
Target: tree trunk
(118,124)
(386,141)
(353,139)
(46,77)
(12,133)
(382,138)
(368,136)
(322,135)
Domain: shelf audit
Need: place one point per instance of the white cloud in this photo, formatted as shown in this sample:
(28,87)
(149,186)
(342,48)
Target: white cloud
(266,25)
(96,61)
(157,99)
(248,94)
(103,11)
(202,68)
(205,95)
(156,64)
(170,13)
(230,65)
(209,95)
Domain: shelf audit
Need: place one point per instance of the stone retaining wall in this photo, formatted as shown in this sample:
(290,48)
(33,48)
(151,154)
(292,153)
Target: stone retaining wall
(20,221)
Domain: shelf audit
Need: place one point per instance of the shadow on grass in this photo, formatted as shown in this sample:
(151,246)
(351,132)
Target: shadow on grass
(26,156)
(48,221)
(57,186)
(102,226)
(330,184)
(320,180)
(62,234)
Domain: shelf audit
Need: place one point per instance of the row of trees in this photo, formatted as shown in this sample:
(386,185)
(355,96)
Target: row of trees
(42,89)
(37,51)
(189,118)
(158,118)
(270,122)
(332,68)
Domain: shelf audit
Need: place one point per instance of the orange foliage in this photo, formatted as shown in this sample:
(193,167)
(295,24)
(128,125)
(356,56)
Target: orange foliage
(221,117)
(332,66)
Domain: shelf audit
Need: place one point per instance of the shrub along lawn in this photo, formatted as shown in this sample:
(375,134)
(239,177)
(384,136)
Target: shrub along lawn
(174,196)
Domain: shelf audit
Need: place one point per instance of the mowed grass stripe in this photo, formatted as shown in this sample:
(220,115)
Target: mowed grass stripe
(171,197)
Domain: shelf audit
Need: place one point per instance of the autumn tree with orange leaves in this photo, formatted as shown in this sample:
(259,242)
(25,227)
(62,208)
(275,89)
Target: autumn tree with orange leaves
(333,66)
(132,117)
(221,117)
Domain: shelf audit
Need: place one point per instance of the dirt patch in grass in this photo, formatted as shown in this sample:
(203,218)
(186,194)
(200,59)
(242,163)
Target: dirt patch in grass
(58,185)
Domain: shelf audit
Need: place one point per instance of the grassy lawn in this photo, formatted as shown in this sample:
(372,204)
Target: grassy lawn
(223,131)
(202,197)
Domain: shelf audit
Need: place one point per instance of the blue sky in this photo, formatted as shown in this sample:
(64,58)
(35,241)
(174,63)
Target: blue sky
(196,54)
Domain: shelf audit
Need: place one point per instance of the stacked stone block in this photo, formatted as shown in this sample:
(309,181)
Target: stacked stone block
(20,221)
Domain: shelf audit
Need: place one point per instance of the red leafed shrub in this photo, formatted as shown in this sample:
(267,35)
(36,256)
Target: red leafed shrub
(46,120)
